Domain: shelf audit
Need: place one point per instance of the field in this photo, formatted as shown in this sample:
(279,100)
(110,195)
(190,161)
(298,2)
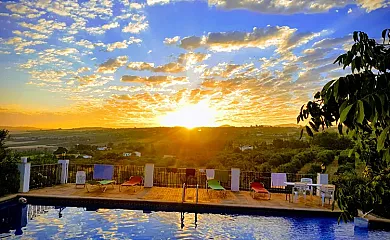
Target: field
(274,148)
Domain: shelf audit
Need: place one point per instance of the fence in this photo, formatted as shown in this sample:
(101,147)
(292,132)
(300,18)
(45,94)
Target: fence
(175,177)
(49,175)
(265,177)
(122,173)
(45,175)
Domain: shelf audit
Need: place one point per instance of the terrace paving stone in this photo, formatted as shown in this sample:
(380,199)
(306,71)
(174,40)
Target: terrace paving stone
(163,194)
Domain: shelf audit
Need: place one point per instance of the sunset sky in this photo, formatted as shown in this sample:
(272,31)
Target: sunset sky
(106,63)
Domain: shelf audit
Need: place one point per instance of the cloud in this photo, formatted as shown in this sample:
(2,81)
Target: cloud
(141,66)
(31,35)
(117,45)
(111,65)
(331,42)
(102,29)
(136,5)
(153,80)
(51,76)
(83,69)
(138,25)
(44,26)
(171,41)
(93,80)
(192,58)
(22,9)
(153,2)
(170,68)
(292,7)
(62,52)
(371,5)
(284,38)
(85,43)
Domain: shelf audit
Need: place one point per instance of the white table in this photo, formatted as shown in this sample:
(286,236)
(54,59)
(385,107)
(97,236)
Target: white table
(303,186)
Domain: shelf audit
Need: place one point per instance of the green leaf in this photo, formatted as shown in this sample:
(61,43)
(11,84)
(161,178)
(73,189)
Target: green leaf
(360,114)
(355,36)
(343,105)
(382,138)
(340,128)
(384,35)
(325,88)
(313,126)
(344,113)
(353,66)
(309,132)
(336,89)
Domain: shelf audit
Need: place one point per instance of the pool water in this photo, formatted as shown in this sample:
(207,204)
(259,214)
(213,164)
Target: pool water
(78,223)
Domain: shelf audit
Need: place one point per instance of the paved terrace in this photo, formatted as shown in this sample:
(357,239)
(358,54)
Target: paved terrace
(174,195)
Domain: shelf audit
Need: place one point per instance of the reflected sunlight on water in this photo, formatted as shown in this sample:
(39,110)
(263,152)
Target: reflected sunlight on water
(77,223)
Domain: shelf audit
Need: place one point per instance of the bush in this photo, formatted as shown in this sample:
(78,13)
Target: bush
(326,156)
(9,178)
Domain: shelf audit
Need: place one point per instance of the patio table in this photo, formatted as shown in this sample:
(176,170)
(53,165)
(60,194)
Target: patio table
(302,186)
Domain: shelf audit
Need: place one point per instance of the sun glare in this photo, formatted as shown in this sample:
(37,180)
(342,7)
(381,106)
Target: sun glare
(190,116)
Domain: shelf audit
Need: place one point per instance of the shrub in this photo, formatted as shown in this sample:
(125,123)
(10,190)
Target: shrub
(326,156)
(9,178)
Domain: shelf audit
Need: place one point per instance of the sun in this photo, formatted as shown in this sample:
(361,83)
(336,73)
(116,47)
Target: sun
(190,116)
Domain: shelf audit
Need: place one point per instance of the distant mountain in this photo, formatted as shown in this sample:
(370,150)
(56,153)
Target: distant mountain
(226,125)
(21,128)
(288,125)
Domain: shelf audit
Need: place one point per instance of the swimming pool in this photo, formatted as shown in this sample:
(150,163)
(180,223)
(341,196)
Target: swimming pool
(81,223)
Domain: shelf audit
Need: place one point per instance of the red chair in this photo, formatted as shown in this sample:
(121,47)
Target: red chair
(133,181)
(258,187)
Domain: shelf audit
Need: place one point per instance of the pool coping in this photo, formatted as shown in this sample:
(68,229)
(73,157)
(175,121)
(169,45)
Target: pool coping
(172,206)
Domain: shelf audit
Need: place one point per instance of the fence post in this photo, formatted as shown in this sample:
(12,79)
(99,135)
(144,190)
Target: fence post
(24,169)
(235,183)
(64,171)
(149,171)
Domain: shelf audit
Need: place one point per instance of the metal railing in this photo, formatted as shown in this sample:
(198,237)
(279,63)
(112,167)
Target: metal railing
(265,177)
(49,175)
(175,177)
(45,175)
(122,173)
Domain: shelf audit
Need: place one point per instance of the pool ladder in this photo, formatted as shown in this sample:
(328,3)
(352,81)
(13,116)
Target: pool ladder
(183,195)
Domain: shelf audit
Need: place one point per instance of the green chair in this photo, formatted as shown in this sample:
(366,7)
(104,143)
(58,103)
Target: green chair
(214,184)
(102,176)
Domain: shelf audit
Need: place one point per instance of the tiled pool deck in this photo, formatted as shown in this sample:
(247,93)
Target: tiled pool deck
(172,197)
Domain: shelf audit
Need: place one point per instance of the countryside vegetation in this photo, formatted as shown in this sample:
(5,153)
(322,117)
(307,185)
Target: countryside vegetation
(348,132)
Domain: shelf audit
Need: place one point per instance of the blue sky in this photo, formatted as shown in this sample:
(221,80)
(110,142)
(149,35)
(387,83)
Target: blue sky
(138,63)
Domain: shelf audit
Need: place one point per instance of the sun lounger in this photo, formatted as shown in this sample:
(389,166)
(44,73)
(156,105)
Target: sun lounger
(133,181)
(214,184)
(102,177)
(258,187)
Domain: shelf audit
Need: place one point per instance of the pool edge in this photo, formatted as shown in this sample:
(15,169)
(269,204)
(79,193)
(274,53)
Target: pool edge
(154,205)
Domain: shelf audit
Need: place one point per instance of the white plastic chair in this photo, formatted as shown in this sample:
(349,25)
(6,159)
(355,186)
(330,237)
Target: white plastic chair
(299,187)
(309,181)
(80,178)
(327,191)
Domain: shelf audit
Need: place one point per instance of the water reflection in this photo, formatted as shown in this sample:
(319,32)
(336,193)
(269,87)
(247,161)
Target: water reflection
(42,222)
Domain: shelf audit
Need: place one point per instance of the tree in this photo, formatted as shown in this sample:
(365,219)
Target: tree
(359,102)
(60,150)
(3,136)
